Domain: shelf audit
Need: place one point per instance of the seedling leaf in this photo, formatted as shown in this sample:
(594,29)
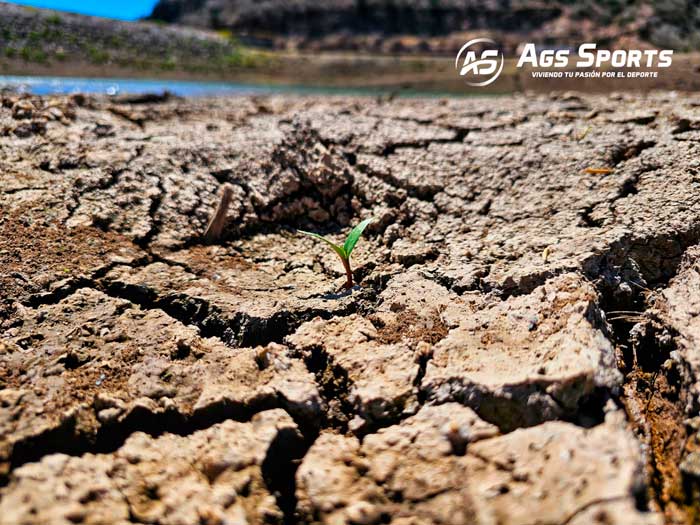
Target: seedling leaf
(355,235)
(338,249)
(345,250)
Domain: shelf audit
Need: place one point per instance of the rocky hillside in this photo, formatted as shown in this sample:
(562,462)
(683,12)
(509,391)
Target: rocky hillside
(438,26)
(44,36)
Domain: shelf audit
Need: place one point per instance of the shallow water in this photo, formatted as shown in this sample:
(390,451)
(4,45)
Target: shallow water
(114,86)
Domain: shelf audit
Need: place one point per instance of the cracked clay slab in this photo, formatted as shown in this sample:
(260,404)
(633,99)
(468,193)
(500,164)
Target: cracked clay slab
(245,302)
(217,475)
(447,466)
(93,368)
(528,358)
(679,308)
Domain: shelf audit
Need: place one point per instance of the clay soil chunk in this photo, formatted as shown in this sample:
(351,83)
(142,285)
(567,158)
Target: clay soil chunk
(245,302)
(217,475)
(374,380)
(526,359)
(679,307)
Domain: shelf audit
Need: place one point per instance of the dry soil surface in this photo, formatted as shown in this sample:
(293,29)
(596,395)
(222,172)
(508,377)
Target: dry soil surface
(523,346)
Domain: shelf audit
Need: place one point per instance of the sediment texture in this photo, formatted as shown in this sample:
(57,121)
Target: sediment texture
(521,347)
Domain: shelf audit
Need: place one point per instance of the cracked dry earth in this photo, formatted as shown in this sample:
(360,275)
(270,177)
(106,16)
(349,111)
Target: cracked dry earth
(523,346)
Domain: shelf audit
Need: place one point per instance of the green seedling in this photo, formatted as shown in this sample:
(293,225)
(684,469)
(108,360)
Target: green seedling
(346,249)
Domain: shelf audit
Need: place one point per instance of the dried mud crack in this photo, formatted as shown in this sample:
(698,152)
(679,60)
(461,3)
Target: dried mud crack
(523,345)
(653,394)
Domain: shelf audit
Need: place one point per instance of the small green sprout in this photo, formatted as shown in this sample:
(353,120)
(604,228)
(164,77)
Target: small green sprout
(346,249)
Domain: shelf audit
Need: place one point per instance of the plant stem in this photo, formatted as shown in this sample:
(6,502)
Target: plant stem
(348,273)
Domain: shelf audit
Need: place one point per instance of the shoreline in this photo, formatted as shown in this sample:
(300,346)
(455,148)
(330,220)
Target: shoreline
(353,71)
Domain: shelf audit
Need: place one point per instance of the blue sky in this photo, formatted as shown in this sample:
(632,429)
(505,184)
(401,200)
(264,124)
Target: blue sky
(123,9)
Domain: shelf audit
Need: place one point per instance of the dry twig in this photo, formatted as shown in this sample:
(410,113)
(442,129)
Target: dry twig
(218,220)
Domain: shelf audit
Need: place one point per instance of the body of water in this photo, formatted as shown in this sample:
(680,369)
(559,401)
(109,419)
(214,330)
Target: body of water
(115,86)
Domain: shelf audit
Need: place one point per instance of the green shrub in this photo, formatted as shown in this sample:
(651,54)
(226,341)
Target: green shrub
(33,54)
(97,55)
